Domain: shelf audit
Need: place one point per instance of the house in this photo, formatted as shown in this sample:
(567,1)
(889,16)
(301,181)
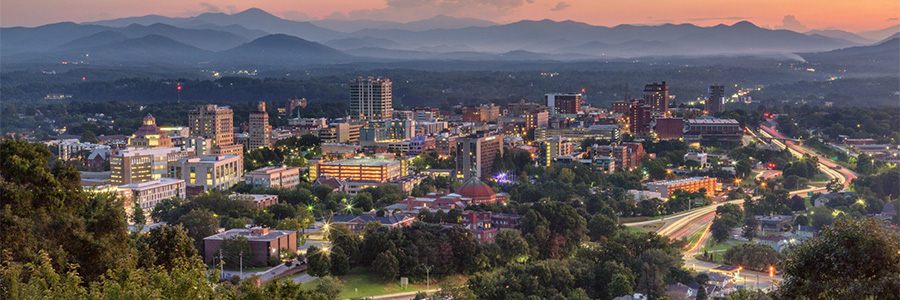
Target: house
(357,224)
(888,213)
(264,243)
(262,201)
(823,199)
(719,284)
(680,291)
(775,223)
(337,186)
(806,232)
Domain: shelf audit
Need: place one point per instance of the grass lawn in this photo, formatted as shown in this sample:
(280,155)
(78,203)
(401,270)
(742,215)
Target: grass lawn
(820,178)
(648,227)
(249,270)
(361,282)
(634,229)
(725,246)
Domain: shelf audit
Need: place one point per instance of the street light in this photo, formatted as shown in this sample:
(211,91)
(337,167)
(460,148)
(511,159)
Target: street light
(427,277)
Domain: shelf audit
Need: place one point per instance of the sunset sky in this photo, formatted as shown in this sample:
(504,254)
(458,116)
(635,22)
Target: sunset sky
(858,15)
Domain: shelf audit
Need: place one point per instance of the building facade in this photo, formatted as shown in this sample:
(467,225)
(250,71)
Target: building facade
(715,101)
(566,104)
(708,130)
(475,154)
(273,177)
(149,135)
(665,188)
(135,165)
(657,96)
(205,173)
(371,99)
(149,193)
(264,243)
(260,130)
(639,118)
(359,169)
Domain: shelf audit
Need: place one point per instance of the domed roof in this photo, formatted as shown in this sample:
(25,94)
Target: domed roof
(474,188)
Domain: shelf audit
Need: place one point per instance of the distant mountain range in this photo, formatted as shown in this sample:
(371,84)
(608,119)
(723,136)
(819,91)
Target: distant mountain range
(258,37)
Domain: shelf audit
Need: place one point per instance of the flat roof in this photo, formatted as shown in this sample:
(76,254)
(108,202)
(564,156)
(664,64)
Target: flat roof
(676,181)
(248,233)
(254,197)
(713,121)
(270,169)
(152,183)
(373,162)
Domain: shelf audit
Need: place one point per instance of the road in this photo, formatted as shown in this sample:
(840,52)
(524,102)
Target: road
(827,167)
(699,220)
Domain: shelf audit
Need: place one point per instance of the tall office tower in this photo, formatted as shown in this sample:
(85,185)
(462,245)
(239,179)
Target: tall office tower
(260,130)
(715,102)
(215,124)
(475,154)
(149,135)
(370,99)
(563,103)
(639,118)
(657,96)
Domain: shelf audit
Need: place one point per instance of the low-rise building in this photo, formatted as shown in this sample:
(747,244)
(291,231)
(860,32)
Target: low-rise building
(665,188)
(141,164)
(264,243)
(699,157)
(357,224)
(149,193)
(710,130)
(204,173)
(775,223)
(273,177)
(261,200)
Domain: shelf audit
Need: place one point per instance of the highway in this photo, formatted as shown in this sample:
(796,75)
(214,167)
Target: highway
(699,220)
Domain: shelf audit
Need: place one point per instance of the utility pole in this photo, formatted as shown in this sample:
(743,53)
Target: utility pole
(427,277)
(221,263)
(242,263)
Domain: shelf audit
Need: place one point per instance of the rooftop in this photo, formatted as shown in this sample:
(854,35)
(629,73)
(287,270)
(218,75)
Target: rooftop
(713,121)
(252,234)
(268,170)
(676,181)
(253,197)
(152,183)
(370,162)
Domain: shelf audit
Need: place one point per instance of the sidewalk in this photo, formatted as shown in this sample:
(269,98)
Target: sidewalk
(400,296)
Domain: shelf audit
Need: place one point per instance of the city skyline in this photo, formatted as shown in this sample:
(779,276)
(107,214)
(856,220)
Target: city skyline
(801,15)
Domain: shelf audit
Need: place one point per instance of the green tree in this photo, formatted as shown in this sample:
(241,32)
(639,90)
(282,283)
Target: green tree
(329,286)
(236,251)
(513,247)
(165,246)
(340,263)
(89,137)
(851,258)
(386,266)
(719,231)
(752,256)
(750,227)
(199,223)
(45,209)
(602,227)
(654,266)
(282,211)
(318,263)
(137,216)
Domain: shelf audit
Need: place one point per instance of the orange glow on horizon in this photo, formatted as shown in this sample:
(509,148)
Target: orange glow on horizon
(852,16)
